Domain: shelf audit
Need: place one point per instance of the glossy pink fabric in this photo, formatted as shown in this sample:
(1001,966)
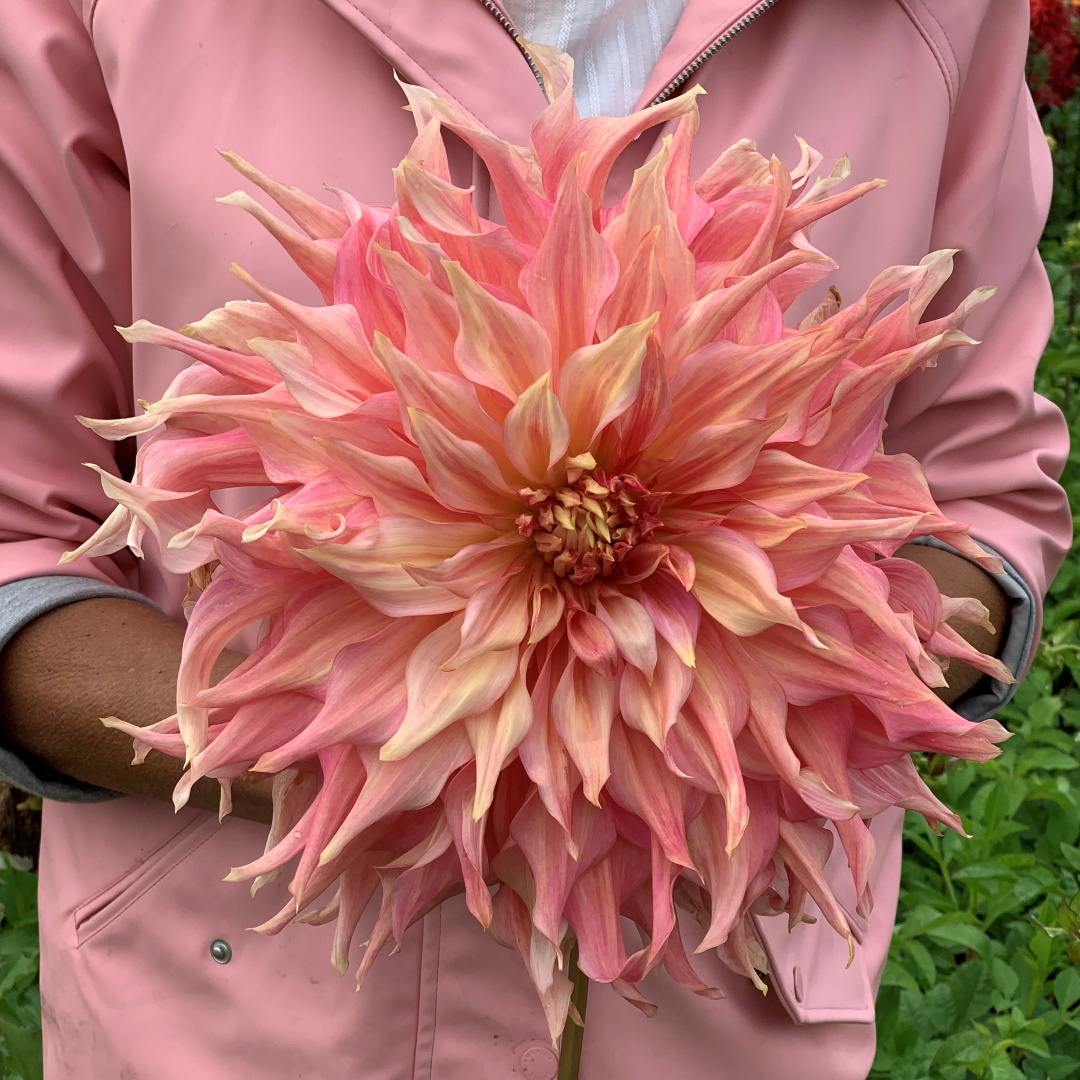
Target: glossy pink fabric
(110,113)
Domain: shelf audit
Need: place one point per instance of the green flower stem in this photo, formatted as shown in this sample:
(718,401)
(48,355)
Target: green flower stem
(574,1035)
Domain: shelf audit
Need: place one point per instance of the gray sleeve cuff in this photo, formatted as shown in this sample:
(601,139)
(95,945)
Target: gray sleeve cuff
(989,695)
(21,602)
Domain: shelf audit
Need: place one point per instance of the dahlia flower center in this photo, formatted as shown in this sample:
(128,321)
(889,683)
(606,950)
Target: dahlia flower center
(586,528)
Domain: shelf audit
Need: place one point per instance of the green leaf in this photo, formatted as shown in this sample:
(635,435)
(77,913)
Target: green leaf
(1067,988)
(1031,1042)
(961,934)
(21,1050)
(1004,978)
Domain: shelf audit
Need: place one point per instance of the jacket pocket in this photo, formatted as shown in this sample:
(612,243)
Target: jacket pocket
(99,910)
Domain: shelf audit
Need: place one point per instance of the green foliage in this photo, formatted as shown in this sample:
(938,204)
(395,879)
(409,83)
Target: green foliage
(983,979)
(20,1007)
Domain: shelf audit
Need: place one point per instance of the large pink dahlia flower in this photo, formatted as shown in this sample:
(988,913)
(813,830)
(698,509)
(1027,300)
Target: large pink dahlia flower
(578,589)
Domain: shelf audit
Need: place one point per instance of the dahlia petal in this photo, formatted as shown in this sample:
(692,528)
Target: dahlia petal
(526,211)
(356,284)
(211,626)
(343,778)
(293,792)
(228,458)
(600,382)
(110,537)
(583,711)
(315,625)
(474,566)
(544,754)
(450,399)
(165,513)
(498,344)
(374,563)
(494,736)
(641,783)
(496,618)
(394,483)
(364,697)
(651,409)
(315,260)
(647,213)
(803,556)
(677,965)
(593,642)
(899,784)
(358,884)
(462,473)
(592,909)
(800,845)
(674,612)
(566,295)
(808,674)
(600,139)
(641,290)
(393,786)
(652,704)
(554,870)
(859,586)
(722,456)
(468,833)
(437,697)
(728,875)
(631,628)
(249,370)
(736,583)
(947,642)
(721,383)
(784,484)
(703,321)
(720,700)
(536,433)
(318,221)
(511,925)
(739,165)
(759,251)
(334,335)
(427,198)
(312,392)
(231,326)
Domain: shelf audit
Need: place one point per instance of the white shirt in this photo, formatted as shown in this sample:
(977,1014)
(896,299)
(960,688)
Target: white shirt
(615,44)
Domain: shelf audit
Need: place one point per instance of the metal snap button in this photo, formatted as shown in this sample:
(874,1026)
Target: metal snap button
(221,950)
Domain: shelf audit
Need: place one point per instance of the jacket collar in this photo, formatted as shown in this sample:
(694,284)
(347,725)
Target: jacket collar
(459,50)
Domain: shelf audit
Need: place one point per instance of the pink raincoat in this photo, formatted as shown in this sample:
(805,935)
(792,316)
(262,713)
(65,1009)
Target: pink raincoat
(110,115)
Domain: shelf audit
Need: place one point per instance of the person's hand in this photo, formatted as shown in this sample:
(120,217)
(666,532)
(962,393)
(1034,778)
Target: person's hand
(957,576)
(71,666)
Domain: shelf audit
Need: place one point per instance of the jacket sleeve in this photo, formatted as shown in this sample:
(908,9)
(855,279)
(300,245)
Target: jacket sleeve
(992,448)
(65,281)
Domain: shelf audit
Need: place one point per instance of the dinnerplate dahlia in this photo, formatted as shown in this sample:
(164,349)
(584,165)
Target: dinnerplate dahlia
(578,592)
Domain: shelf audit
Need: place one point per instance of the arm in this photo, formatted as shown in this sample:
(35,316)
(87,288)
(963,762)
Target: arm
(64,282)
(957,576)
(94,658)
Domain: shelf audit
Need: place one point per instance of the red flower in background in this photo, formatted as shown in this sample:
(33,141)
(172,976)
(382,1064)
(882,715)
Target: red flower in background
(1055,50)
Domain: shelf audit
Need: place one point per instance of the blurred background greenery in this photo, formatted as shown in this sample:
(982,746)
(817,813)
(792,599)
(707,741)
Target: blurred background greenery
(983,979)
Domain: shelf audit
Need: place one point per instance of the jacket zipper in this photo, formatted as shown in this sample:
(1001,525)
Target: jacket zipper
(681,79)
(509,27)
(689,71)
